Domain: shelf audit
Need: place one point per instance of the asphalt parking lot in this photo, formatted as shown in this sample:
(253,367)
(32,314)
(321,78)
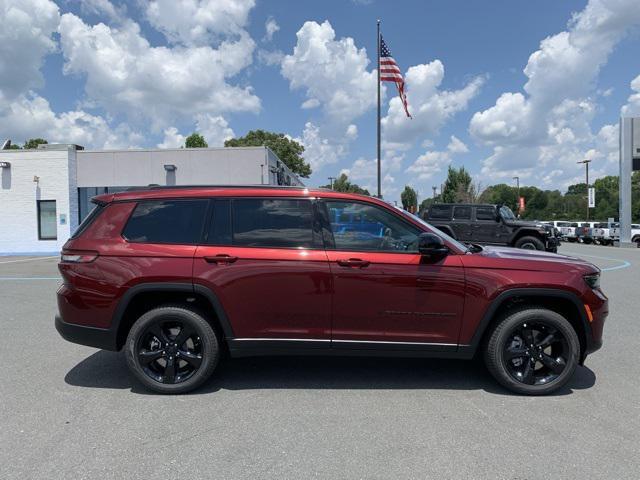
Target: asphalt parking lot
(72,412)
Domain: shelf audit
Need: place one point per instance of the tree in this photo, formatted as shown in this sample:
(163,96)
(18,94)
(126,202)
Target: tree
(458,186)
(287,150)
(34,142)
(342,184)
(409,198)
(195,140)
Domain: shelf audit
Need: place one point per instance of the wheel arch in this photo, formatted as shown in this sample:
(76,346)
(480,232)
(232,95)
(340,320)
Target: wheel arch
(143,297)
(565,303)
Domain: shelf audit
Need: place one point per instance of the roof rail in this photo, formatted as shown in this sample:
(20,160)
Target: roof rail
(182,187)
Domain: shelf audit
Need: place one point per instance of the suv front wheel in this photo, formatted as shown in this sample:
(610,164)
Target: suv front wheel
(533,351)
(529,243)
(172,349)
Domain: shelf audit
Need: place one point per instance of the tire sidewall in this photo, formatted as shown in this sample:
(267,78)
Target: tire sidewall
(505,328)
(210,348)
(536,242)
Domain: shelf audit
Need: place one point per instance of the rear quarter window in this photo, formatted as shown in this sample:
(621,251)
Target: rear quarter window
(166,221)
(89,219)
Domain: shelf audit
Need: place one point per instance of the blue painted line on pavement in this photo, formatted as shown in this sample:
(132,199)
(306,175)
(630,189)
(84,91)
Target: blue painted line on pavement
(624,263)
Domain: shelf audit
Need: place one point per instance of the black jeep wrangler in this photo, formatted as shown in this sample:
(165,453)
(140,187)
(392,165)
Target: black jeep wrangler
(491,224)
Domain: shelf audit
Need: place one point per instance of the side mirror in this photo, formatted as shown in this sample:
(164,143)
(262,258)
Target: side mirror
(431,244)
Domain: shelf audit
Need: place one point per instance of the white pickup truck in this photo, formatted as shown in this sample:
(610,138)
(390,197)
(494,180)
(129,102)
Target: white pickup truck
(567,230)
(635,233)
(601,232)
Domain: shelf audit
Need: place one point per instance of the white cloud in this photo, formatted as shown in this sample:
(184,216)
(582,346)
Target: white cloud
(332,72)
(546,129)
(430,107)
(172,138)
(215,129)
(433,162)
(318,150)
(31,116)
(198,22)
(104,8)
(632,108)
(125,74)
(26,37)
(310,103)
(270,28)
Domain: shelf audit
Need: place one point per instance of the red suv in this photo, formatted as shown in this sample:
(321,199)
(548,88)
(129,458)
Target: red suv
(178,276)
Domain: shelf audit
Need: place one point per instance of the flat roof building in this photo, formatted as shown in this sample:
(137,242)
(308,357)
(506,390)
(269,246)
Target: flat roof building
(46,192)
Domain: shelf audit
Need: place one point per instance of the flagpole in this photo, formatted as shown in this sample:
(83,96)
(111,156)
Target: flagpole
(378,44)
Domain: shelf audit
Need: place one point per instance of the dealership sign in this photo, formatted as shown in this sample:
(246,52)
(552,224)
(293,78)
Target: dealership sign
(592,197)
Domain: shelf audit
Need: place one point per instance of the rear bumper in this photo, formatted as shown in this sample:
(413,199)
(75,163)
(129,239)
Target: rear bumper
(84,335)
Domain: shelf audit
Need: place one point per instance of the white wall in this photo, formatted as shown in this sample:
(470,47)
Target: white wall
(19,193)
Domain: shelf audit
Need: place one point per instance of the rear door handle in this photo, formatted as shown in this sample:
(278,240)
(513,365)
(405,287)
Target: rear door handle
(221,258)
(354,262)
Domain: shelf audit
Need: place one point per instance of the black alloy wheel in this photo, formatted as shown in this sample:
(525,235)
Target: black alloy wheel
(535,353)
(172,349)
(169,351)
(532,351)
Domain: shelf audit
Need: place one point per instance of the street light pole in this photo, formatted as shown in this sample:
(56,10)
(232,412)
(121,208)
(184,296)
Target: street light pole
(517,179)
(586,165)
(434,191)
(331,179)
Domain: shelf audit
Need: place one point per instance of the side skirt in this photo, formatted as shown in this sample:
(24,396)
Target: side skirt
(254,347)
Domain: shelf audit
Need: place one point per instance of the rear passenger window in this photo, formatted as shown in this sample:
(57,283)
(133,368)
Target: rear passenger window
(440,212)
(485,213)
(462,213)
(167,221)
(272,223)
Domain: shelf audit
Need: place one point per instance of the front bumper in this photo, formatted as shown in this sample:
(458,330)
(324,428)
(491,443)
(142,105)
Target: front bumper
(552,244)
(84,335)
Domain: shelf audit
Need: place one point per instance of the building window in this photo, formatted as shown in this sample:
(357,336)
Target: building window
(47,224)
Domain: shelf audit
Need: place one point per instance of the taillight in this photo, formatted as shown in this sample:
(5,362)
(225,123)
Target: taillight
(78,257)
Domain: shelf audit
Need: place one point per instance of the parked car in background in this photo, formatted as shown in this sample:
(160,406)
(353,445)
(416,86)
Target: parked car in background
(635,233)
(567,230)
(601,233)
(584,232)
(175,276)
(488,224)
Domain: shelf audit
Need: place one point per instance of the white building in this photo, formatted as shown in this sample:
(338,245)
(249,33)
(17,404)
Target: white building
(44,193)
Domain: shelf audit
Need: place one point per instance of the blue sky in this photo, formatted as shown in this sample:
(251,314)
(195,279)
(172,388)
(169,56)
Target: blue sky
(503,87)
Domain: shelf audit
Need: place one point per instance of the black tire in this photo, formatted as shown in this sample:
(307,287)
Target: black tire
(161,364)
(529,243)
(532,370)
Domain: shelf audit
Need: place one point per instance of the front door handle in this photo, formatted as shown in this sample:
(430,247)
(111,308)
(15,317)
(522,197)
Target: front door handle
(354,262)
(221,258)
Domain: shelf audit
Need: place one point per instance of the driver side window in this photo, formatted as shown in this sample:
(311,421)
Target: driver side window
(362,227)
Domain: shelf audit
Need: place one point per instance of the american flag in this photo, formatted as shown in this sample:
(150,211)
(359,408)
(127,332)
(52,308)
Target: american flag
(390,72)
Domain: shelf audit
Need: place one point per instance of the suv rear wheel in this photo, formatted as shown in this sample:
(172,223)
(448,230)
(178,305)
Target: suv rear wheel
(532,351)
(529,243)
(172,349)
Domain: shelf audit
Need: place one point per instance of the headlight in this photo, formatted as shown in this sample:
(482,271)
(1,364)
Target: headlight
(593,280)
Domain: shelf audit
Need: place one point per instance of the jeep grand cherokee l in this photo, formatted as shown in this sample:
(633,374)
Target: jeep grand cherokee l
(175,276)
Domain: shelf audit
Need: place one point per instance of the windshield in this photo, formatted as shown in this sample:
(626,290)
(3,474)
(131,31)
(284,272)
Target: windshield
(506,213)
(446,237)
